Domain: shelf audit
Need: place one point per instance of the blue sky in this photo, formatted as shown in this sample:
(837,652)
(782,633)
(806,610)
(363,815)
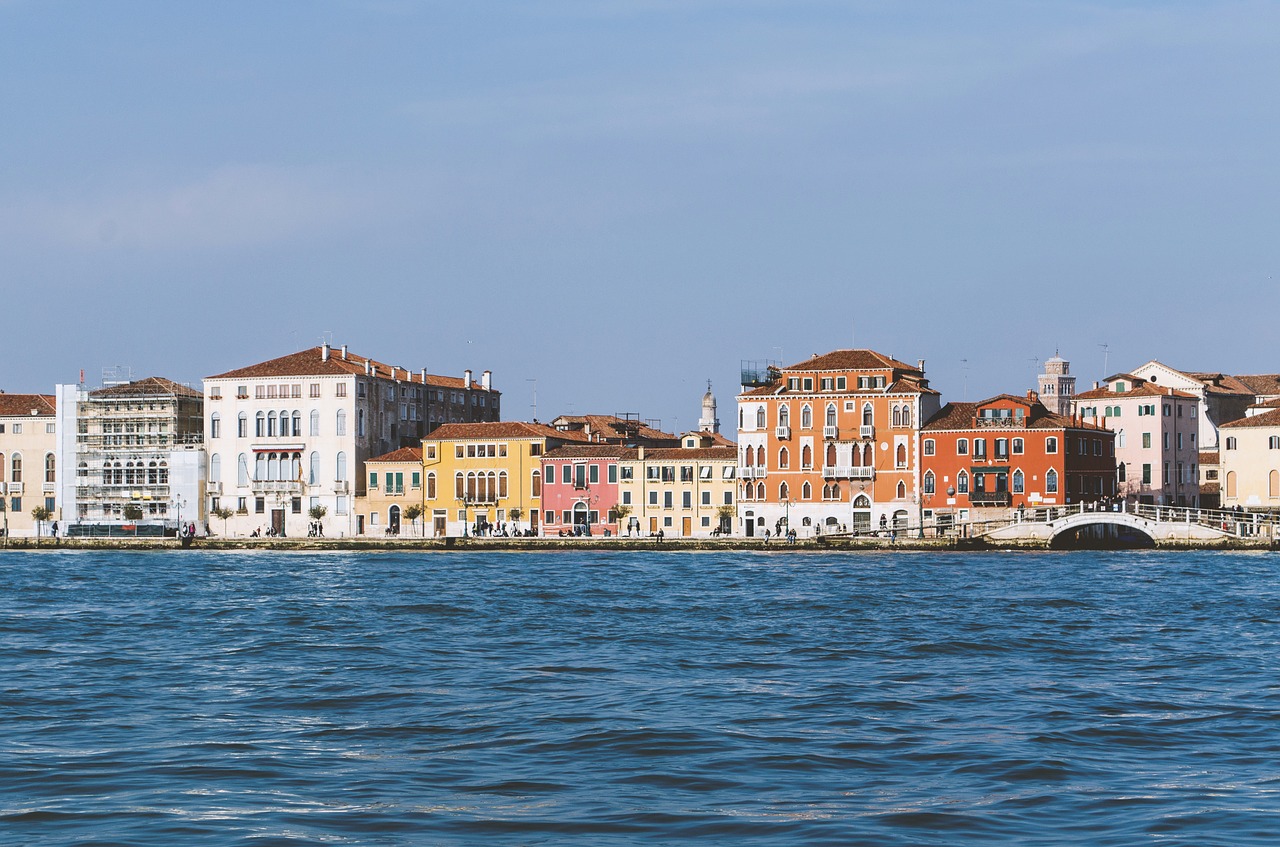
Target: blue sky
(624,199)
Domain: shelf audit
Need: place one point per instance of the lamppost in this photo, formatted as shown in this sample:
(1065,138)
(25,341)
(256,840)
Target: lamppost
(177,503)
(466,500)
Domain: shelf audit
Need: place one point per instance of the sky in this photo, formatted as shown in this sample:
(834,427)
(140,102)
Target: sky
(609,203)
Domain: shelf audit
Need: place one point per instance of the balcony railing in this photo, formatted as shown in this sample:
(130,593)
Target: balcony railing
(866,431)
(838,471)
(213,487)
(50,488)
(277,485)
(782,432)
(830,432)
(990,498)
(341,486)
(864,472)
(998,422)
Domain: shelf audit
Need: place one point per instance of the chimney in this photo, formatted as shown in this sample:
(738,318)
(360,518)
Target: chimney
(466,378)
(1033,397)
(324,352)
(1095,385)
(393,371)
(920,365)
(424,376)
(640,454)
(485,378)
(366,367)
(344,352)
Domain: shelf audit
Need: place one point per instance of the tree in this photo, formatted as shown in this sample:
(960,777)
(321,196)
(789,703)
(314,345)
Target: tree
(317,513)
(726,515)
(133,512)
(41,514)
(413,513)
(224,513)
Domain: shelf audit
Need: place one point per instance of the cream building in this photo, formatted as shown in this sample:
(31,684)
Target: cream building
(686,492)
(28,461)
(1249,462)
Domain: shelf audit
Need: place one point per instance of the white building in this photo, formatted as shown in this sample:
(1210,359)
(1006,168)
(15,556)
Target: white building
(1221,397)
(291,435)
(28,463)
(132,456)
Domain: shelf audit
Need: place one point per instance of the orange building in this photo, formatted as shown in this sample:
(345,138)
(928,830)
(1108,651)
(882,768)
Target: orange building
(1010,452)
(831,443)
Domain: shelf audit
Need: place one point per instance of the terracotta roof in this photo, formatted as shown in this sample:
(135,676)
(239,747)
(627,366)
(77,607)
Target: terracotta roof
(312,362)
(15,405)
(957,416)
(591,451)
(850,360)
(612,427)
(1261,384)
(1218,383)
(152,386)
(1141,389)
(499,429)
(953,416)
(678,454)
(1271,418)
(1209,457)
(717,439)
(404,454)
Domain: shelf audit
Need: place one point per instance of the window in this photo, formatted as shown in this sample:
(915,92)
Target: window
(784,458)
(373,479)
(806,492)
(929,446)
(979,448)
(215,425)
(760,417)
(340,468)
(962,446)
(50,468)
(340,424)
(668,499)
(1231,443)
(1051,444)
(806,457)
(784,416)
(1002,448)
(242,426)
(1019,481)
(929,482)
(1273,443)
(686,499)
(315,422)
(806,417)
(1051,482)
(902,456)
(783,491)
(594,474)
(1017,446)
(962,482)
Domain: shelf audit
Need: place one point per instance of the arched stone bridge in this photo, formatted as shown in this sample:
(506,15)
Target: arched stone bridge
(1164,525)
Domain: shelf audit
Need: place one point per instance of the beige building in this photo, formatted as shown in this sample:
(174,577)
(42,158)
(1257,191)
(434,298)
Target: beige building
(393,484)
(685,492)
(1249,462)
(28,461)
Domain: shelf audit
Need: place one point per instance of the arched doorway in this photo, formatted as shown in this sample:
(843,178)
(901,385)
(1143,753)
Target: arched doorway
(393,520)
(580,524)
(861,514)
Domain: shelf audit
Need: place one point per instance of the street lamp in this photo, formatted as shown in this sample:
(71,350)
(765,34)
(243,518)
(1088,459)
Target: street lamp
(177,503)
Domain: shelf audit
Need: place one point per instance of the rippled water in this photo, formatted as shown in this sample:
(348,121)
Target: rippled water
(619,699)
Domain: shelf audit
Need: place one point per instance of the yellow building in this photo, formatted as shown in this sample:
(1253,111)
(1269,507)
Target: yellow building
(394,485)
(1250,462)
(486,477)
(684,492)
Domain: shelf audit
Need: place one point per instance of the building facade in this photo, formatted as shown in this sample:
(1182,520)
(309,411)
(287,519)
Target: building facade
(1157,438)
(580,488)
(831,443)
(393,486)
(28,462)
(137,450)
(292,434)
(1222,397)
(1249,462)
(683,492)
(486,475)
(1056,386)
(982,460)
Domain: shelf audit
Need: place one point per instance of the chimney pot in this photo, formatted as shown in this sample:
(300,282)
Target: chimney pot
(466,378)
(344,352)
(324,352)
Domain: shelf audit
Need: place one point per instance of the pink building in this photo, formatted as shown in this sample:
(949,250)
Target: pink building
(580,488)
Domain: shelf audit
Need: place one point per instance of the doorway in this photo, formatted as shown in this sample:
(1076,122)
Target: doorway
(277,522)
(393,520)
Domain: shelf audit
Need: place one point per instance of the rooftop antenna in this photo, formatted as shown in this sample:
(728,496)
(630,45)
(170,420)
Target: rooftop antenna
(326,338)
(964,367)
(1106,352)
(1035,371)
(534,380)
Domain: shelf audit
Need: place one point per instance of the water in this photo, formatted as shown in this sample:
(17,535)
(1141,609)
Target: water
(620,699)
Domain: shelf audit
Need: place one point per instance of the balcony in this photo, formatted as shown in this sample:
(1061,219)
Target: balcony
(341,486)
(830,432)
(838,471)
(50,488)
(282,486)
(782,432)
(998,422)
(213,488)
(14,488)
(989,498)
(865,472)
(866,431)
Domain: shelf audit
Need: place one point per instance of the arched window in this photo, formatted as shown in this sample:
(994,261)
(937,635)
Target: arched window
(297,424)
(867,455)
(15,467)
(313,468)
(260,425)
(902,490)
(760,417)
(741,416)
(431,485)
(862,502)
(242,425)
(759,490)
(831,454)
(906,416)
(784,415)
(1231,483)
(928,485)
(1273,484)
(340,467)
(962,482)
(215,468)
(902,455)
(50,468)
(783,491)
(760,455)
(806,457)
(340,424)
(215,425)
(1019,482)
(260,467)
(831,414)
(784,458)
(897,416)
(271,424)
(153,476)
(806,416)
(315,421)
(459,486)
(2,467)
(535,483)
(502,484)
(242,470)
(1051,482)
(866,414)
(806,491)
(856,456)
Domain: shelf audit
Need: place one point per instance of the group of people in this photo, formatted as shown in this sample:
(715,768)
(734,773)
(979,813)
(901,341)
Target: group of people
(481,528)
(269,532)
(315,529)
